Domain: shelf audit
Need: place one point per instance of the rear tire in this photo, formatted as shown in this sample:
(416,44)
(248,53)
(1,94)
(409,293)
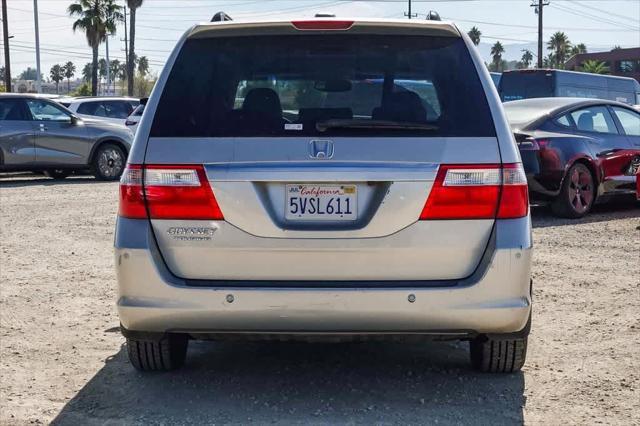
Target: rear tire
(577,193)
(166,354)
(56,173)
(498,356)
(108,162)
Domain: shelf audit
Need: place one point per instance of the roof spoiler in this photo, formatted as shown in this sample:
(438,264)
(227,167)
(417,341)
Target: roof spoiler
(221,17)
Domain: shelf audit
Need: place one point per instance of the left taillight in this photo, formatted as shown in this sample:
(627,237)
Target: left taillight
(167,192)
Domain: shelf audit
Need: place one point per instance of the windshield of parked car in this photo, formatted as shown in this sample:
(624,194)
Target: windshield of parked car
(295,85)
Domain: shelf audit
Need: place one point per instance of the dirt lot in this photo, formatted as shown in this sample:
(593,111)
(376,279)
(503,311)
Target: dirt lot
(62,358)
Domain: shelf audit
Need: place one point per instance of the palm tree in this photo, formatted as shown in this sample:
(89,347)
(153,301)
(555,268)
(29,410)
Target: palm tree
(93,19)
(474,35)
(102,70)
(133,6)
(121,74)
(87,72)
(114,66)
(69,70)
(527,58)
(560,45)
(595,67)
(143,66)
(578,49)
(496,54)
(57,75)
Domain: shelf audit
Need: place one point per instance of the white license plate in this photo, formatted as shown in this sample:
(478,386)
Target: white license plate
(321,202)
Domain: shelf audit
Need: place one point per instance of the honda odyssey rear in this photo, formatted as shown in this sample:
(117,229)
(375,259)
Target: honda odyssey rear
(324,179)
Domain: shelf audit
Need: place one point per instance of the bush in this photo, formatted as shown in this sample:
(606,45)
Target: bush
(83,90)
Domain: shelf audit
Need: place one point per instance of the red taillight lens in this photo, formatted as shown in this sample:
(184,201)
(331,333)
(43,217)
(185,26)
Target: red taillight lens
(170,192)
(131,196)
(477,192)
(322,25)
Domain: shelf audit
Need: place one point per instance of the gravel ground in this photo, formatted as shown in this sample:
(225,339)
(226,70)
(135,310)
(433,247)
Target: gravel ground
(62,358)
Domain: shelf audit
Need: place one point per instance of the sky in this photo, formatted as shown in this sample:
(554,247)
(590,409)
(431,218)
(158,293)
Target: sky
(600,24)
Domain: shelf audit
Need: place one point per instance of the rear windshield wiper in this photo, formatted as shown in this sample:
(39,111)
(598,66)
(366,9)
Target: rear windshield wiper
(323,126)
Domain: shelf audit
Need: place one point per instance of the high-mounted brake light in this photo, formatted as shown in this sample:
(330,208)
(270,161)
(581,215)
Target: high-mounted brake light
(483,191)
(170,192)
(320,25)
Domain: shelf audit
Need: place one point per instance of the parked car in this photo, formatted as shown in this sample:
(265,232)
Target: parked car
(37,134)
(546,83)
(576,152)
(134,118)
(237,220)
(111,109)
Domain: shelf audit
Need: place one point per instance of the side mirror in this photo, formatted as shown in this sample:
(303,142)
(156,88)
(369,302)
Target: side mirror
(75,120)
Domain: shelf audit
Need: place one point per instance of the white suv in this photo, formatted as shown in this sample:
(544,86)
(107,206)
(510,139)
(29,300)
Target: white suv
(111,109)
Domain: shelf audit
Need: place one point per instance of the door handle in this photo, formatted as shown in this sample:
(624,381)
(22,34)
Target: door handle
(43,128)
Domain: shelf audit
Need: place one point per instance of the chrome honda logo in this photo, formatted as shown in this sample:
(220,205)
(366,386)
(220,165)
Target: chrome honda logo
(321,149)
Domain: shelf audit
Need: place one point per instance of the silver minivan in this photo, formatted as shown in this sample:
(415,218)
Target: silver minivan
(324,179)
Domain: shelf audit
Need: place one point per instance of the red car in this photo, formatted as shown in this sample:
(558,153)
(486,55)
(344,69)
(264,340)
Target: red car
(576,152)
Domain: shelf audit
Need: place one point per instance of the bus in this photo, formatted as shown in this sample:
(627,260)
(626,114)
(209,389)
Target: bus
(495,76)
(545,83)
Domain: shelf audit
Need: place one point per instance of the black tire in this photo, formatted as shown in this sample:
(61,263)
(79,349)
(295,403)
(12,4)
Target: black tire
(577,194)
(498,356)
(163,355)
(109,161)
(56,173)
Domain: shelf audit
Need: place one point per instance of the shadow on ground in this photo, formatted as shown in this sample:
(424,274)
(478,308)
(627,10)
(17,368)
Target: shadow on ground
(289,383)
(22,180)
(618,208)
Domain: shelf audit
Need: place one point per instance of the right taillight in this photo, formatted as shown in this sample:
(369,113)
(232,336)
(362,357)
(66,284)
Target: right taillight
(167,192)
(483,191)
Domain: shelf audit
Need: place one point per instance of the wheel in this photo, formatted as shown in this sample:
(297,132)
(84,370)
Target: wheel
(108,162)
(498,356)
(56,173)
(163,355)
(577,193)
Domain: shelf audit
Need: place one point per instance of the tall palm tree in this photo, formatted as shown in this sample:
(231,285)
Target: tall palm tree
(57,75)
(69,70)
(143,66)
(527,58)
(595,67)
(87,72)
(496,54)
(102,71)
(578,49)
(560,45)
(133,6)
(114,67)
(93,19)
(474,34)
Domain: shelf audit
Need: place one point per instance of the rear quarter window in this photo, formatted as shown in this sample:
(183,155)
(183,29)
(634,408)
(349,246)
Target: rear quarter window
(292,85)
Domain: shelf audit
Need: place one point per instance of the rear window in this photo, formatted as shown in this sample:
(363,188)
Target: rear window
(526,85)
(345,85)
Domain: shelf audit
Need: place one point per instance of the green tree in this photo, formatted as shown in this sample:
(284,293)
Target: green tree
(578,49)
(595,67)
(527,58)
(121,74)
(133,7)
(56,74)
(560,45)
(69,70)
(496,54)
(93,18)
(29,74)
(86,72)
(82,90)
(474,35)
(143,66)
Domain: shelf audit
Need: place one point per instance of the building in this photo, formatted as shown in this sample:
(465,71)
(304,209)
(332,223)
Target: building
(621,62)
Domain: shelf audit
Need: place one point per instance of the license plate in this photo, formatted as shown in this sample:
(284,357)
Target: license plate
(321,202)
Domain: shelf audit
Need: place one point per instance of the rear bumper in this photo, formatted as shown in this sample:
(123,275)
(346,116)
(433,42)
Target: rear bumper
(151,299)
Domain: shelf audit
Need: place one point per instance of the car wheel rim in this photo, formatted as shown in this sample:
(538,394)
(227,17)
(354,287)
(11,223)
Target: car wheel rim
(580,190)
(110,162)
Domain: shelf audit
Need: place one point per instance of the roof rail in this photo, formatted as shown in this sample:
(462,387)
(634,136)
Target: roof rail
(221,17)
(433,16)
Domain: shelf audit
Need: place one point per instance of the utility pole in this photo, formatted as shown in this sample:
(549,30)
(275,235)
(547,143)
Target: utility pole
(108,65)
(409,14)
(7,57)
(126,42)
(539,5)
(35,19)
